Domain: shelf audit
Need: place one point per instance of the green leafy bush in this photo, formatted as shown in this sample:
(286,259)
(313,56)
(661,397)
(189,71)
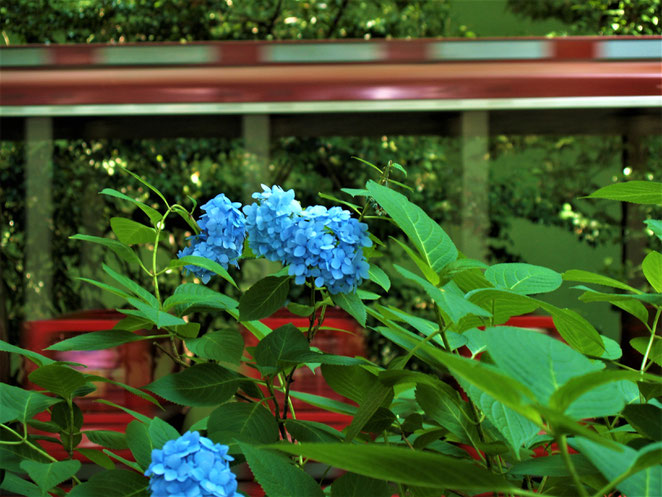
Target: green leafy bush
(471,425)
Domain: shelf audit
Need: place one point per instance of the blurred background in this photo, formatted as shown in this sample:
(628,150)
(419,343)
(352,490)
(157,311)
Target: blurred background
(530,210)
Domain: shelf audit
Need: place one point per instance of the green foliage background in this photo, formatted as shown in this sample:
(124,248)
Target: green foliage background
(533,179)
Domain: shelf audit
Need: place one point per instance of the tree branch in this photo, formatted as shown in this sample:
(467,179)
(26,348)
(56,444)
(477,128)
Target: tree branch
(336,19)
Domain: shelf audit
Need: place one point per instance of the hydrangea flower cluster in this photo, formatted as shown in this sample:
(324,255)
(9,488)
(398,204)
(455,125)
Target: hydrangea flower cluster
(221,238)
(325,244)
(192,466)
(270,222)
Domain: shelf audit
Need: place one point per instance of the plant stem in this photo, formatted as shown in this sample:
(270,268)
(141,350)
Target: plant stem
(562,442)
(612,484)
(650,341)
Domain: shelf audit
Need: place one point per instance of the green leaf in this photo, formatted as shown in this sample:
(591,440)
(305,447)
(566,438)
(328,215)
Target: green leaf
(577,386)
(553,465)
(159,318)
(200,385)
(612,351)
(655,226)
(161,432)
(154,215)
(397,166)
(614,298)
(16,485)
(325,403)
(311,431)
(545,364)
(353,382)
(277,476)
(614,462)
(576,331)
(352,206)
(352,304)
(524,279)
(113,440)
(402,465)
(190,297)
(634,307)
(515,428)
(132,286)
(442,404)
(224,346)
(377,275)
(264,298)
(300,309)
(112,483)
(645,418)
(503,304)
(449,298)
(353,485)
(203,262)
(96,340)
(427,271)
(130,232)
(279,348)
(367,164)
(637,192)
(242,422)
(588,277)
(140,443)
(144,182)
(652,268)
(432,243)
(97,457)
(21,405)
(370,403)
(640,344)
(129,388)
(135,414)
(106,287)
(38,359)
(61,380)
(48,475)
(355,192)
(122,251)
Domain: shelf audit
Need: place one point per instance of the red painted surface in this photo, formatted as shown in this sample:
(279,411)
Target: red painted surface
(462,80)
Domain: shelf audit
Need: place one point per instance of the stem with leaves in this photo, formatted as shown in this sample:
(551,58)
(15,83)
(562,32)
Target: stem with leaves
(653,331)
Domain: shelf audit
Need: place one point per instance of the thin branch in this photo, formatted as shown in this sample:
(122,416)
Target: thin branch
(336,20)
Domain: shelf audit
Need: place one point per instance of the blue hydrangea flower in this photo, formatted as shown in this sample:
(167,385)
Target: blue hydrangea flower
(221,239)
(192,466)
(269,222)
(327,245)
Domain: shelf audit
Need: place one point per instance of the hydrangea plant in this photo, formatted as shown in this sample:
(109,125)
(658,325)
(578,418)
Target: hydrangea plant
(500,409)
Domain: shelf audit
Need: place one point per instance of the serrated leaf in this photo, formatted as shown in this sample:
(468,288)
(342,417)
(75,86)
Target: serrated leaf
(154,215)
(132,286)
(277,476)
(553,465)
(135,414)
(243,422)
(645,418)
(48,475)
(637,192)
(377,396)
(203,262)
(377,275)
(140,443)
(16,485)
(130,232)
(113,440)
(60,380)
(97,457)
(21,405)
(576,331)
(264,298)
(112,483)
(652,268)
(449,298)
(189,298)
(280,348)
(129,388)
(525,279)
(311,431)
(352,304)
(353,485)
(589,277)
(432,243)
(443,406)
(160,318)
(427,271)
(38,359)
(224,346)
(200,385)
(96,340)
(614,462)
(122,251)
(402,465)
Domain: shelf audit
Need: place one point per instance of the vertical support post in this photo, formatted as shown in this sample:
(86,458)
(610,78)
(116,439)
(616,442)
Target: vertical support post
(256,131)
(475,222)
(257,139)
(39,217)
